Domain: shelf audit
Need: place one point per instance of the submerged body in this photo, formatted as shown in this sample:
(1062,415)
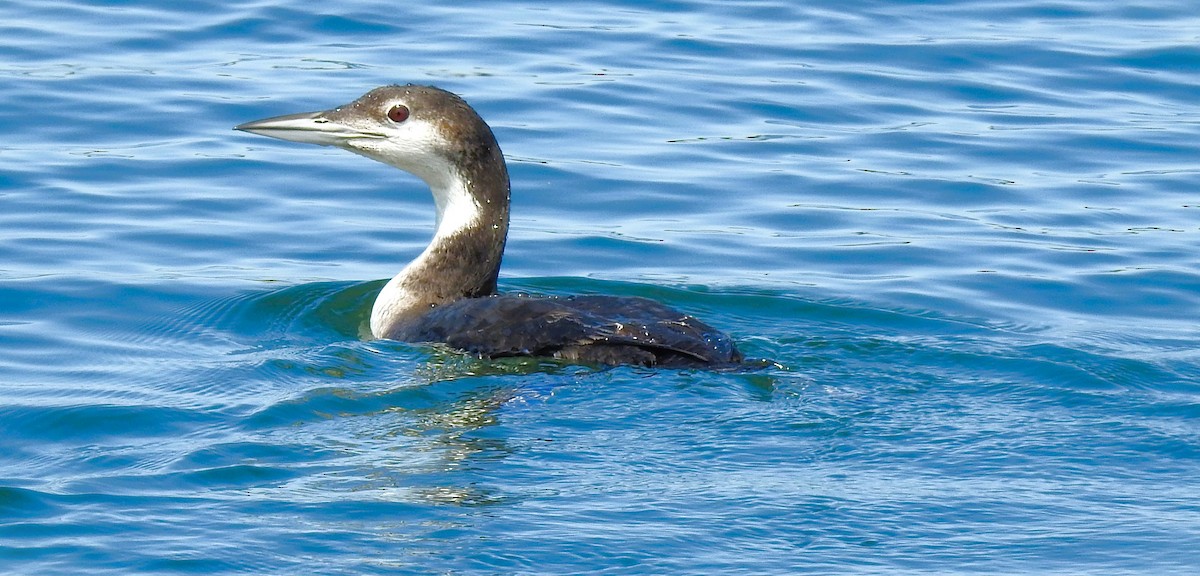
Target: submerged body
(592,329)
(448,293)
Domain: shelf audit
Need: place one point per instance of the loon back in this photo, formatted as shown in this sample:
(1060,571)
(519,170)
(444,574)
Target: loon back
(593,329)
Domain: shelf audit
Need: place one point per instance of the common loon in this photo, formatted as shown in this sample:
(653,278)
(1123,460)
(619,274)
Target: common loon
(448,293)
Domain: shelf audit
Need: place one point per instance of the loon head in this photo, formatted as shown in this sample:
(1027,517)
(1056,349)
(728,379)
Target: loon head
(423,130)
(438,137)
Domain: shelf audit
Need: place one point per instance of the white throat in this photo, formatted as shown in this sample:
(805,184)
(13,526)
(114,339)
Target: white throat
(457,211)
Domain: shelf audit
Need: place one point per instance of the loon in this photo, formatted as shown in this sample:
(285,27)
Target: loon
(448,293)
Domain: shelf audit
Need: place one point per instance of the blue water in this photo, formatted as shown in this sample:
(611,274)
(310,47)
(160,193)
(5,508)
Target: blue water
(965,233)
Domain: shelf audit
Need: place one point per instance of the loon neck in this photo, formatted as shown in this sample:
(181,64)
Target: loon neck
(471,193)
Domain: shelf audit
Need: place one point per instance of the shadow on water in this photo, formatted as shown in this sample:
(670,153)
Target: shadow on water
(297,362)
(298,368)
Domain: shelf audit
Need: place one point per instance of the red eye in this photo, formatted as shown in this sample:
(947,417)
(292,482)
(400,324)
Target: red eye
(398,113)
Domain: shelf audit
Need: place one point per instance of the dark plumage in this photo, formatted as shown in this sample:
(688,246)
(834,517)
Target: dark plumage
(448,293)
(589,329)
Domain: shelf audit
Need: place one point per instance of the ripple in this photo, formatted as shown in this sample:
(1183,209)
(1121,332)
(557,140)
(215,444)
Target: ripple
(965,237)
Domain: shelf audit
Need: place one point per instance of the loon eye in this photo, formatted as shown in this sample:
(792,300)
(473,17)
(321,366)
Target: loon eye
(398,113)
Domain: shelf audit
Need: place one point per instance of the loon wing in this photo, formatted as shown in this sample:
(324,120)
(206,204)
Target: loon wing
(589,329)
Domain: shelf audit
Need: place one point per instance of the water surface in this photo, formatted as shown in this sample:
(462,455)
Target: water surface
(964,232)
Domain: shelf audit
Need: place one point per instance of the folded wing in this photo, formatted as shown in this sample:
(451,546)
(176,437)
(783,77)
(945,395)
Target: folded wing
(588,329)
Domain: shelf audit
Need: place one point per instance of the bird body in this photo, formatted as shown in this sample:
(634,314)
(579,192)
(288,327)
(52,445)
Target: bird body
(448,293)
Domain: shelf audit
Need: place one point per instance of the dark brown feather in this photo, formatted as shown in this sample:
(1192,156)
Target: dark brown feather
(606,330)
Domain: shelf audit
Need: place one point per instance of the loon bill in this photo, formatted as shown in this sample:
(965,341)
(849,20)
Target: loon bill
(448,293)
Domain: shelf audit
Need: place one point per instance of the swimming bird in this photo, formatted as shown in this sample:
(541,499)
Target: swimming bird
(448,293)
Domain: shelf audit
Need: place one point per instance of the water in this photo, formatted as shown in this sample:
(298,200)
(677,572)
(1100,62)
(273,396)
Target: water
(964,232)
